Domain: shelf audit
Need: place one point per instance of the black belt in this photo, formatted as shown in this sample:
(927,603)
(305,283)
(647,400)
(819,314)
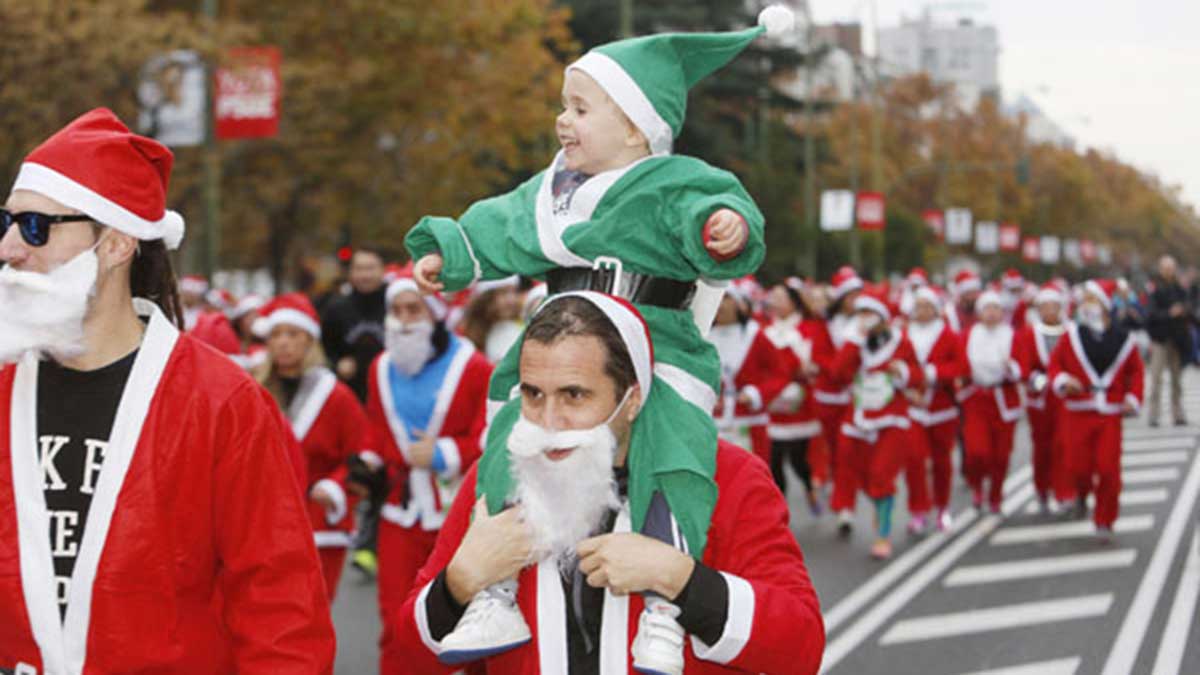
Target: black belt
(642,289)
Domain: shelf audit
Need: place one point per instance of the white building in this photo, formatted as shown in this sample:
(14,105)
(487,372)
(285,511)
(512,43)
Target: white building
(963,54)
(1039,128)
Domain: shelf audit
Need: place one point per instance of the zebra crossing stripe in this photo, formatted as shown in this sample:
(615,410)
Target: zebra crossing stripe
(997,618)
(1149,458)
(1055,667)
(1031,568)
(1128,498)
(1171,443)
(1026,534)
(1175,636)
(1140,476)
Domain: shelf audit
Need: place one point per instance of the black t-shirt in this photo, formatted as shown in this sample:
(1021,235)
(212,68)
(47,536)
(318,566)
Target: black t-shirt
(75,413)
(352,325)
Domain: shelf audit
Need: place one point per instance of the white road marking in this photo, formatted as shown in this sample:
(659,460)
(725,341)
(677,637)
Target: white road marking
(1055,667)
(1146,433)
(1071,529)
(1133,629)
(997,618)
(1049,566)
(1148,458)
(899,568)
(1128,498)
(885,608)
(1175,635)
(1168,443)
(1140,476)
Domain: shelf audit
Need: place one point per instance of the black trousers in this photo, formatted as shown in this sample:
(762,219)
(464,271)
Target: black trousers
(794,452)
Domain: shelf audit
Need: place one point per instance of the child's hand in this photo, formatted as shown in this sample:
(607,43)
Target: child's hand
(426,273)
(725,234)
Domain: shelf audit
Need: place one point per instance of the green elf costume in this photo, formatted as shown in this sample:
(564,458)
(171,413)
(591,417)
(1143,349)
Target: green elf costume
(635,232)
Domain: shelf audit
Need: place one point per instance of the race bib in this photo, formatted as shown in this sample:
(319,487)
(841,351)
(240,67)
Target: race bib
(873,391)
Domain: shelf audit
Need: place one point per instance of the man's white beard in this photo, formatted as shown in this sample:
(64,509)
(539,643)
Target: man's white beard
(45,312)
(409,345)
(564,501)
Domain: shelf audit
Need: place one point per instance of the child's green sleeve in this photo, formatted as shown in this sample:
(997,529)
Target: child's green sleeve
(690,209)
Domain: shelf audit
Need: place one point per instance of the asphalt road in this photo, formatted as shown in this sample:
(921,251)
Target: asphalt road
(1017,594)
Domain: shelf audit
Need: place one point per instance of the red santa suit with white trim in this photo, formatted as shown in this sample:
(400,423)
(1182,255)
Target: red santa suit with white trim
(831,396)
(990,398)
(331,426)
(441,398)
(1098,372)
(1037,342)
(196,554)
(935,412)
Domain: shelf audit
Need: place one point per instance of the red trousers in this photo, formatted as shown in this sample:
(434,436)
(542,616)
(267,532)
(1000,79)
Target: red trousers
(333,561)
(402,551)
(1049,458)
(987,445)
(760,442)
(937,443)
(1093,460)
(870,467)
(830,417)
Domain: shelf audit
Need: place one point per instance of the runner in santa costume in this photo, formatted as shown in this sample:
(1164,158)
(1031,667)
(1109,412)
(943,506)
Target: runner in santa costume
(149,514)
(831,394)
(192,291)
(876,433)
(934,411)
(1013,286)
(793,420)
(917,279)
(964,291)
(1036,342)
(600,598)
(1098,372)
(617,212)
(426,403)
(991,399)
(753,374)
(325,417)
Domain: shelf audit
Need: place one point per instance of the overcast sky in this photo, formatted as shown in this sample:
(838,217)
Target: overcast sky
(1119,75)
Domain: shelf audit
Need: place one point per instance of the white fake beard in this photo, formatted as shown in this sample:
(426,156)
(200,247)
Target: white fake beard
(45,312)
(564,501)
(1092,316)
(408,345)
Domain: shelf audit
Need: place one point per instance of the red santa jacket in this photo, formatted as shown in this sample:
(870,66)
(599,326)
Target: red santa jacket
(751,365)
(331,426)
(828,389)
(937,348)
(774,622)
(879,401)
(197,556)
(1105,392)
(1035,347)
(420,496)
(991,364)
(792,415)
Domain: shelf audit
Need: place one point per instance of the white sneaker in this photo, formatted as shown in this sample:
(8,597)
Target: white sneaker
(658,647)
(491,624)
(845,523)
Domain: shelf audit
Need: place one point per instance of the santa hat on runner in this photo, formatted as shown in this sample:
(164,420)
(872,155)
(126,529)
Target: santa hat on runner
(248,304)
(193,284)
(988,297)
(435,303)
(1050,292)
(289,309)
(928,294)
(795,283)
(1012,280)
(966,281)
(1103,289)
(119,179)
(648,77)
(874,299)
(482,287)
(844,281)
(221,299)
(628,321)
(917,277)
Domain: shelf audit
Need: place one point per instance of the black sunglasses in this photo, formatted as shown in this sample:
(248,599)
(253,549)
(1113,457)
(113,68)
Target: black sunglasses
(35,227)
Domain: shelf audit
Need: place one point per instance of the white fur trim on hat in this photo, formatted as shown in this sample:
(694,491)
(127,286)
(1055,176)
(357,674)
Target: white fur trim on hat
(507,282)
(929,295)
(849,285)
(988,298)
(435,304)
(631,327)
(778,20)
(1049,295)
(629,97)
(971,283)
(286,317)
(1097,290)
(872,304)
(50,183)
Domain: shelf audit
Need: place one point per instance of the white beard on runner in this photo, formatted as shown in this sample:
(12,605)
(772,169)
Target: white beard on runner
(408,345)
(564,501)
(45,312)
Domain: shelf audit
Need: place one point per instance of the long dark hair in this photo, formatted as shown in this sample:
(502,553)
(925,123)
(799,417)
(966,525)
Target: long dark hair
(152,278)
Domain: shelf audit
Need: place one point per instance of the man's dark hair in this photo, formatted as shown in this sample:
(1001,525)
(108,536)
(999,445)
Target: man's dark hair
(370,249)
(152,278)
(578,317)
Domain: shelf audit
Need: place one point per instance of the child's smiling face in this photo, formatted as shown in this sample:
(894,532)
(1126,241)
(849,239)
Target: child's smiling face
(595,134)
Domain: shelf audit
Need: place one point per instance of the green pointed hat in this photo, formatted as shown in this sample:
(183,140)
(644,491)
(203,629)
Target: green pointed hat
(649,77)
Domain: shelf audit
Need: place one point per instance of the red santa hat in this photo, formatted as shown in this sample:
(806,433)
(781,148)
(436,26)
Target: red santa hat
(221,299)
(988,297)
(795,283)
(435,303)
(119,179)
(874,299)
(248,304)
(844,281)
(1050,292)
(1012,280)
(194,284)
(966,281)
(929,294)
(290,309)
(917,277)
(1103,289)
(628,321)
(393,271)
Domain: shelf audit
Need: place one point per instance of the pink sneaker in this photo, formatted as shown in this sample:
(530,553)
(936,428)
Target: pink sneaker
(882,549)
(944,521)
(917,524)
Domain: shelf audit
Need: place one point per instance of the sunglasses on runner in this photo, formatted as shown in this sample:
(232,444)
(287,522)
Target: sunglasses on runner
(34,226)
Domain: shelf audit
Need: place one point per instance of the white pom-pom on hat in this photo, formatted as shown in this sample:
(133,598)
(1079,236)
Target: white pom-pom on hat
(778,20)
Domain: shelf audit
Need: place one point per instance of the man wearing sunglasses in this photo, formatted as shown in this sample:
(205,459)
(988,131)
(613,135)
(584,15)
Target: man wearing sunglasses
(149,517)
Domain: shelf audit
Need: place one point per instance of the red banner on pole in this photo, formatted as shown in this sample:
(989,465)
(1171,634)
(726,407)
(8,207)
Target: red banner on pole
(1031,249)
(870,210)
(1010,237)
(936,221)
(246,93)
